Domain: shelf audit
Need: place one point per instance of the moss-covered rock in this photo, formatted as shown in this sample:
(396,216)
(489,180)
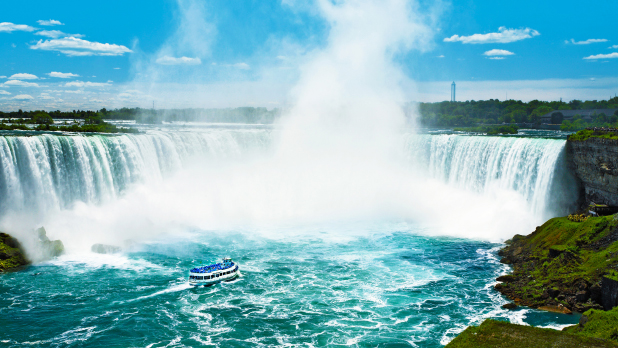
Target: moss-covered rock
(562,263)
(11,253)
(105,249)
(492,334)
(48,248)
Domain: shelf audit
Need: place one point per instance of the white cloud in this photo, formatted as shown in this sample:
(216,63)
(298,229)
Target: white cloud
(23,77)
(54,34)
(586,42)
(116,68)
(23,97)
(614,46)
(503,35)
(18,83)
(3,77)
(496,52)
(72,46)
(167,60)
(7,27)
(4,92)
(81,84)
(496,58)
(62,75)
(441,56)
(603,56)
(243,66)
(49,22)
(79,91)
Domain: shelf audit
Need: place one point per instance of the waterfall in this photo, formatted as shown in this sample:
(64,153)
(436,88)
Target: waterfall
(535,168)
(46,172)
(49,172)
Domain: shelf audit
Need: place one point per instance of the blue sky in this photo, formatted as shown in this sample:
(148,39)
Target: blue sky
(75,54)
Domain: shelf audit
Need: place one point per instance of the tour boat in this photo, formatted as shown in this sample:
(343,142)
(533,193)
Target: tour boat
(219,272)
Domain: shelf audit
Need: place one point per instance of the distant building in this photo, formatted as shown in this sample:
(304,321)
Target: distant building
(569,114)
(453,92)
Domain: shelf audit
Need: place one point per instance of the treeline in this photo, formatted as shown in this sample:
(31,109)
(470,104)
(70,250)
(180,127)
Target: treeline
(43,121)
(227,115)
(474,113)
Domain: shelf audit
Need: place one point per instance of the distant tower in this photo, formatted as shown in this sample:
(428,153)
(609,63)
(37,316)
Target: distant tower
(453,92)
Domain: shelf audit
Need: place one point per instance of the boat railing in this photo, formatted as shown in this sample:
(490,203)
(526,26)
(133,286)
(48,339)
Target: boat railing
(213,268)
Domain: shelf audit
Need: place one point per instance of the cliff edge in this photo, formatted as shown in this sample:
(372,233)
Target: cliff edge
(567,264)
(593,157)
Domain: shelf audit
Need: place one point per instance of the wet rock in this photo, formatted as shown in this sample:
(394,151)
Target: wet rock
(509,306)
(556,309)
(49,248)
(609,293)
(42,234)
(595,293)
(105,249)
(583,320)
(582,296)
(506,278)
(553,293)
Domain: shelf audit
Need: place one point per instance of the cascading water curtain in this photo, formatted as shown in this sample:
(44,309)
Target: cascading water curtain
(39,173)
(527,166)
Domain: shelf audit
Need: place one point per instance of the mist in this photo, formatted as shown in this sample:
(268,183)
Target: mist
(336,163)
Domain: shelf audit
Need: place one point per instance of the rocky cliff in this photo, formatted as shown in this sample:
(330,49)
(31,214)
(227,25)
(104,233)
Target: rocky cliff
(564,265)
(595,163)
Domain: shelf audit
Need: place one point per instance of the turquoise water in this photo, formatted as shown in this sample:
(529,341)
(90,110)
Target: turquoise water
(387,287)
(362,285)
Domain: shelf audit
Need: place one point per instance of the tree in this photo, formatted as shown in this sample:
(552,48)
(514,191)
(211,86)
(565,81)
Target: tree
(535,116)
(557,117)
(41,117)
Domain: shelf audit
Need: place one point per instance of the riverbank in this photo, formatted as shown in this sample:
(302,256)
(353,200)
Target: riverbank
(74,128)
(493,333)
(562,264)
(567,264)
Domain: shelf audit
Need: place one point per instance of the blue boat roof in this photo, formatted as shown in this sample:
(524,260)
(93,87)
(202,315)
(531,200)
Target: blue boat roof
(212,268)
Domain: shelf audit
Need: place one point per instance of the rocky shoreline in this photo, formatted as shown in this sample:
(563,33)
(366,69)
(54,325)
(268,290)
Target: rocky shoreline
(563,265)
(569,264)
(13,255)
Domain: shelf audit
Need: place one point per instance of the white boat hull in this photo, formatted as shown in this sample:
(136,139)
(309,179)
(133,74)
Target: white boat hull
(207,279)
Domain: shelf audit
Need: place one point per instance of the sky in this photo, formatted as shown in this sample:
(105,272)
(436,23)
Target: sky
(220,53)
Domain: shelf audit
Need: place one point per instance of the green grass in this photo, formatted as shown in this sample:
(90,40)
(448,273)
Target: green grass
(499,334)
(573,245)
(601,324)
(586,134)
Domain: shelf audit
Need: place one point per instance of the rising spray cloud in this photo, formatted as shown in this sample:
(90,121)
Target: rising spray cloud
(337,156)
